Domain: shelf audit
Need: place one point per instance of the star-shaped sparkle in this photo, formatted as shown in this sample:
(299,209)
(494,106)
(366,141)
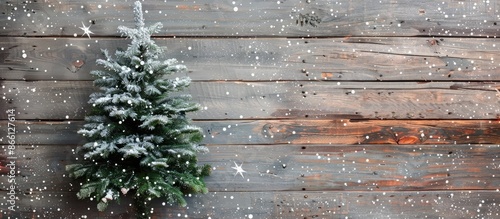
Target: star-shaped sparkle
(86,30)
(239,169)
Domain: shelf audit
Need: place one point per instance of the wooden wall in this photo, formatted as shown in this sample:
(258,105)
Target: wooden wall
(335,109)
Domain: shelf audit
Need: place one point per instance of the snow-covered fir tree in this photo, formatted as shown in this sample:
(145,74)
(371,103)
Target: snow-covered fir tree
(140,142)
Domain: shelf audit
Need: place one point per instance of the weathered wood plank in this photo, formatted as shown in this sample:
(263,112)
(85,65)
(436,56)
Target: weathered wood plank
(246,132)
(301,167)
(279,205)
(291,18)
(280,132)
(339,59)
(62,100)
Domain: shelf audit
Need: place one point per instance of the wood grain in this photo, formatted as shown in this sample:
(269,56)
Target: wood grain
(335,109)
(268,59)
(302,168)
(279,205)
(291,18)
(62,100)
(270,132)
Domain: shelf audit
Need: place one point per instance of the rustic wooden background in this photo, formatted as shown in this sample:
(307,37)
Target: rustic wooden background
(335,109)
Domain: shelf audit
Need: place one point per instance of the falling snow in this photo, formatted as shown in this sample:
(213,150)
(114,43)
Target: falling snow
(335,108)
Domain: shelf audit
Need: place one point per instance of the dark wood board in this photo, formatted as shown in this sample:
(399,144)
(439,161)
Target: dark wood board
(269,132)
(269,59)
(279,205)
(62,100)
(298,167)
(289,18)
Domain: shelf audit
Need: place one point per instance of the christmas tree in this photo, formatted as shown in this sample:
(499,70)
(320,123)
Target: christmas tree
(140,142)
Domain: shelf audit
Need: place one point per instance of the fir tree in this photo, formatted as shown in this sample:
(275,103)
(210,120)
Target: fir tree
(140,142)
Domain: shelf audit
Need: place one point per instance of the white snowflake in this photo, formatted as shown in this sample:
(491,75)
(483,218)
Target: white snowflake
(86,30)
(239,169)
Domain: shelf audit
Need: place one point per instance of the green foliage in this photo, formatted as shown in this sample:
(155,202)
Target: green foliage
(101,206)
(140,142)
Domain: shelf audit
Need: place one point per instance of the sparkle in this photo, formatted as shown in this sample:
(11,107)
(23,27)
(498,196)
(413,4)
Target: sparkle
(239,169)
(86,30)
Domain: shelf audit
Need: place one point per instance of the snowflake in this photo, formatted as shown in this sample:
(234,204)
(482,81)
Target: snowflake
(239,169)
(86,30)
